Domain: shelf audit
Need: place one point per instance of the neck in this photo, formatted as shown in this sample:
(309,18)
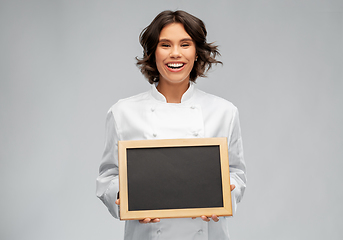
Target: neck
(173,91)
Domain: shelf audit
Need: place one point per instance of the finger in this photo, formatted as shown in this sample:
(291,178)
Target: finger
(155,220)
(193,217)
(145,220)
(117,201)
(232,186)
(206,219)
(215,218)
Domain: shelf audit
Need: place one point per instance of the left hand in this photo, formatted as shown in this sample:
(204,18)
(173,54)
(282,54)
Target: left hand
(214,217)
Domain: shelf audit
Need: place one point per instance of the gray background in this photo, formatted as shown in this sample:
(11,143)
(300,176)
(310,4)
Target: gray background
(64,63)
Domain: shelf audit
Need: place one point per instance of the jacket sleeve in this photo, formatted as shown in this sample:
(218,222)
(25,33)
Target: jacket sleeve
(236,162)
(107,183)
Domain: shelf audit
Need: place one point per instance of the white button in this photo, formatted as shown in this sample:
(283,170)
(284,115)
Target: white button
(192,107)
(155,135)
(159,231)
(200,231)
(195,134)
(153,109)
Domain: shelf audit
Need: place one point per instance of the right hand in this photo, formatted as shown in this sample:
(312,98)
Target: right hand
(145,220)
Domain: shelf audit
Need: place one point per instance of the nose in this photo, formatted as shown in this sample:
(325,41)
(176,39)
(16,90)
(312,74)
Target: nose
(175,52)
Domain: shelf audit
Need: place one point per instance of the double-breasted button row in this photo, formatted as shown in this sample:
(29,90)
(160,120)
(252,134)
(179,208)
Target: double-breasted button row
(195,134)
(153,109)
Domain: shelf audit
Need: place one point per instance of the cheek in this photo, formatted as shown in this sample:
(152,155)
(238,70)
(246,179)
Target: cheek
(158,58)
(192,54)
(158,61)
(191,66)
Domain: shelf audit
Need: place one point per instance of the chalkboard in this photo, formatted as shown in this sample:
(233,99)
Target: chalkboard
(174,178)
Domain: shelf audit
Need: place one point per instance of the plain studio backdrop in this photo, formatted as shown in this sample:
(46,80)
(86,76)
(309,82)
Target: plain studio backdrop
(64,63)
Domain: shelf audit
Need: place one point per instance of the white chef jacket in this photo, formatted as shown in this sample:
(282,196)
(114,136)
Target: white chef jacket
(149,116)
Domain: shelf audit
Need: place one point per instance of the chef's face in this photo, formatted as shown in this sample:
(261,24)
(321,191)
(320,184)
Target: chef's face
(175,54)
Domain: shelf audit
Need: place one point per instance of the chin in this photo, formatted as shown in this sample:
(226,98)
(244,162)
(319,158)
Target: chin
(175,79)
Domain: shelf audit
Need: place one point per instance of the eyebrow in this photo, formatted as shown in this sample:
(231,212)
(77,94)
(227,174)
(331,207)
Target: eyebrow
(182,40)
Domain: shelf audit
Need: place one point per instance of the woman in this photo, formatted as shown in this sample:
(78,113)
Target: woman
(175,54)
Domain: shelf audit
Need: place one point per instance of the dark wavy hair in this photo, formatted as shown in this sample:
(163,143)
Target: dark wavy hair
(149,38)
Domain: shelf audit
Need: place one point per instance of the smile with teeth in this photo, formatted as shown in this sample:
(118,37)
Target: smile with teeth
(175,65)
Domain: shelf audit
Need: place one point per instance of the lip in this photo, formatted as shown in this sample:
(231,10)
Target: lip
(176,69)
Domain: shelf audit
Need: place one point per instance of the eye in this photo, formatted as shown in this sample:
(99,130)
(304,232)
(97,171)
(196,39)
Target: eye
(165,45)
(185,45)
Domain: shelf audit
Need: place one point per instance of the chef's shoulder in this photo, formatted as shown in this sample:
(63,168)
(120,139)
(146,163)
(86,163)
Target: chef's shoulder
(215,102)
(131,103)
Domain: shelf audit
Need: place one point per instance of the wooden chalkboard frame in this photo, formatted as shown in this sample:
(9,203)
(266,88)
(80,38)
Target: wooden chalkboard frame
(224,210)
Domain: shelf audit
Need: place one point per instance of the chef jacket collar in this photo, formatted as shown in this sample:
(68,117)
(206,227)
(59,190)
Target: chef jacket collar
(160,97)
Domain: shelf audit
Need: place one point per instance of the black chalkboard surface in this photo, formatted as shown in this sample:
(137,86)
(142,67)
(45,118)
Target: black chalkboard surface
(174,178)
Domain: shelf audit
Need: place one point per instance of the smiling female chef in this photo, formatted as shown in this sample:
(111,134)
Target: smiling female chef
(175,54)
